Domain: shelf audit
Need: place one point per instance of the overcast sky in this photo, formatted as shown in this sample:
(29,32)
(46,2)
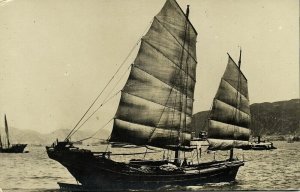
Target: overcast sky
(56,56)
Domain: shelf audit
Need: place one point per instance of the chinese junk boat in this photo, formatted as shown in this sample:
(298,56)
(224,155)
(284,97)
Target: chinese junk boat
(155,110)
(7,147)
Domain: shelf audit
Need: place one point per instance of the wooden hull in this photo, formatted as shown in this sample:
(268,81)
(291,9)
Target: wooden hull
(16,148)
(259,146)
(95,172)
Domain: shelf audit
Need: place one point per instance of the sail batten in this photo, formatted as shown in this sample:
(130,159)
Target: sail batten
(139,134)
(230,118)
(156,103)
(235,89)
(166,106)
(158,90)
(144,112)
(157,65)
(191,76)
(170,87)
(229,95)
(192,56)
(226,113)
(219,130)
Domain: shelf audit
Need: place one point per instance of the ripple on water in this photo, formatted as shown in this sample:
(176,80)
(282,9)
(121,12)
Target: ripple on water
(264,170)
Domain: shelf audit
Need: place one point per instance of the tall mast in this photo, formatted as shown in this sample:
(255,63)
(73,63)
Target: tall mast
(239,65)
(240,58)
(6,130)
(177,152)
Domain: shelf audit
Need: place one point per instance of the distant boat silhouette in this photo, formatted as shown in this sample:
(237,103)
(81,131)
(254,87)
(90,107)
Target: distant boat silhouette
(8,147)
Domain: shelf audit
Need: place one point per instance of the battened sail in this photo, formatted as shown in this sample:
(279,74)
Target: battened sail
(157,99)
(228,126)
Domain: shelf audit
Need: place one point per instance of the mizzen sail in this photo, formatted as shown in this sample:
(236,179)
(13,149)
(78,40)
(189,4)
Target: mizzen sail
(157,99)
(229,123)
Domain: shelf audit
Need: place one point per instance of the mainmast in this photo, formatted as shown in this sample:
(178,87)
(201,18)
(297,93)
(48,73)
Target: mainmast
(240,59)
(177,152)
(237,104)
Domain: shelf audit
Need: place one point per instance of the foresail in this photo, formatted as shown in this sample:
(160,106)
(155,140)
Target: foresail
(230,118)
(157,99)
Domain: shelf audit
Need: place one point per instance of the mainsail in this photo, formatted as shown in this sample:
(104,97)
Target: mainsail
(157,100)
(6,131)
(229,123)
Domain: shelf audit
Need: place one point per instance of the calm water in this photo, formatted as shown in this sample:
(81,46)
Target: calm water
(264,170)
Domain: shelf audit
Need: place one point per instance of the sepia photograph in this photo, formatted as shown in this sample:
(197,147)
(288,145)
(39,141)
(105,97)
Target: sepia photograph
(149,95)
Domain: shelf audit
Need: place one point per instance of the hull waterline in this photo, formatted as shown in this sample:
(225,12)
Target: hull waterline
(16,148)
(97,172)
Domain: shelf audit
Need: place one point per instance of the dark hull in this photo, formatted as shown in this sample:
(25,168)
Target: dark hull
(16,148)
(95,172)
(259,146)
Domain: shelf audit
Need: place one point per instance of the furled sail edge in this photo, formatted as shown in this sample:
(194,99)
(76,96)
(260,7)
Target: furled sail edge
(220,144)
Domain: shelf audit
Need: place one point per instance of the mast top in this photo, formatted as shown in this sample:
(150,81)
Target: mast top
(240,58)
(187,11)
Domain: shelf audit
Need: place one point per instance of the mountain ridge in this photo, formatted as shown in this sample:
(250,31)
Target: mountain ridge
(36,138)
(268,118)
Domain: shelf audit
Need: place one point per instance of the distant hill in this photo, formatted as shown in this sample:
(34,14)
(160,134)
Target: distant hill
(277,118)
(34,137)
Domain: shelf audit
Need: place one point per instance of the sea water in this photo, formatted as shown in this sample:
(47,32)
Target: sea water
(264,170)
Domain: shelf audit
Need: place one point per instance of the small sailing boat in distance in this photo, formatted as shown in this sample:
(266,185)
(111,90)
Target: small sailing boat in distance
(8,147)
(155,109)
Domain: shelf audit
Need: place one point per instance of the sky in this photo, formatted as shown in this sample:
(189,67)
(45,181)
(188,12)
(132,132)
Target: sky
(56,56)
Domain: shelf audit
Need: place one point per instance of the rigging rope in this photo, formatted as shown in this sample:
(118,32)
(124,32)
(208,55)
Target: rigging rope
(105,100)
(135,45)
(97,131)
(93,113)
(179,70)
